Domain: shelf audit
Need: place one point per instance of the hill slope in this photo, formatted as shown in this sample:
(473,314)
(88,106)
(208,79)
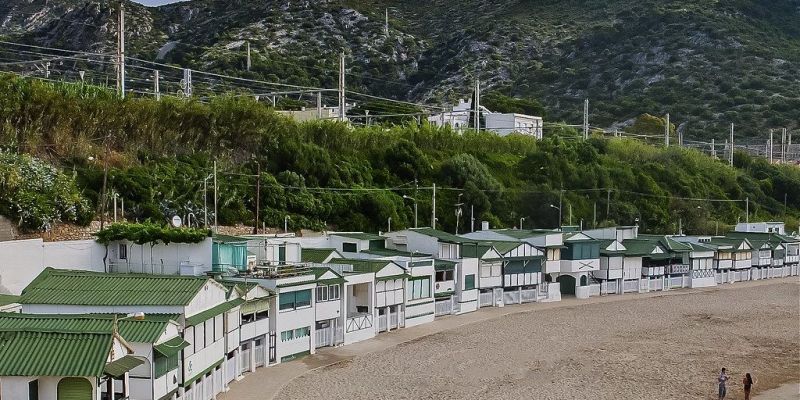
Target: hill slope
(328,174)
(707,62)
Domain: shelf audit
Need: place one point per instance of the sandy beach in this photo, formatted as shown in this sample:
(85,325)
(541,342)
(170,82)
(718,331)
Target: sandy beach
(663,347)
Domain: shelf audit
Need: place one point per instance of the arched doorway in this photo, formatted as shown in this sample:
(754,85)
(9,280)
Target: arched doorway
(75,389)
(567,283)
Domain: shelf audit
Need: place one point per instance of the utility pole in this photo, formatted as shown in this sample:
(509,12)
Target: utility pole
(713,149)
(341,88)
(783,146)
(666,132)
(477,104)
(747,212)
(570,214)
(187,83)
(319,105)
(205,202)
(472,217)
(585,119)
(433,208)
(594,218)
(731,146)
(608,204)
(386,23)
(771,146)
(215,197)
(121,51)
(258,194)
(156,88)
(560,204)
(248,62)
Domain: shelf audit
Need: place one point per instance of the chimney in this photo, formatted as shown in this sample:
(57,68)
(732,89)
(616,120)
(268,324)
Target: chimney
(484,225)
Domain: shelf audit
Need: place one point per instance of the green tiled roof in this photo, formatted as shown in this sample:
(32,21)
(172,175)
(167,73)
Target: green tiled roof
(359,235)
(315,255)
(637,247)
(53,354)
(212,312)
(667,243)
(522,233)
(120,366)
(319,271)
(772,237)
(145,331)
(363,265)
(171,347)
(393,253)
(55,286)
(6,299)
(441,236)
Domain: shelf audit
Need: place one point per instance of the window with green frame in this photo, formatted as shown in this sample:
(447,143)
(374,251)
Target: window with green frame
(469,282)
(162,364)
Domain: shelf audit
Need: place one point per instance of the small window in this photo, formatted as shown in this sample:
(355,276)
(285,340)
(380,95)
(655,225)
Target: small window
(287,335)
(33,390)
(469,282)
(262,315)
(123,251)
(349,247)
(333,292)
(322,293)
(449,275)
(247,318)
(286,301)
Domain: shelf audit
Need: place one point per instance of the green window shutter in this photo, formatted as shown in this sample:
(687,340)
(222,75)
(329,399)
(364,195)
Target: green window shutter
(75,389)
(165,364)
(469,282)
(286,300)
(281,254)
(303,298)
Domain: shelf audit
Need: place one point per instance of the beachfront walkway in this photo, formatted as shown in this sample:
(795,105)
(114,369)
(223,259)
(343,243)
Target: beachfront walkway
(265,383)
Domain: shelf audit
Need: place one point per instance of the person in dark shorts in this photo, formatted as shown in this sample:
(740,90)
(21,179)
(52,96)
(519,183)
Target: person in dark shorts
(723,378)
(748,384)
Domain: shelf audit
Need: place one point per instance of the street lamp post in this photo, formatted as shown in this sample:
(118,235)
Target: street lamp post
(559,214)
(286,224)
(521,220)
(415,208)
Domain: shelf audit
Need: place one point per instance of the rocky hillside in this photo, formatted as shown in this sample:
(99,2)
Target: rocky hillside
(707,62)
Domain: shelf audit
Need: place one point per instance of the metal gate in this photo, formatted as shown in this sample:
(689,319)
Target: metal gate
(273,356)
(258,352)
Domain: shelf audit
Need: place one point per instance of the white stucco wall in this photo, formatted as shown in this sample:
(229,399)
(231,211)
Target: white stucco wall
(166,259)
(22,260)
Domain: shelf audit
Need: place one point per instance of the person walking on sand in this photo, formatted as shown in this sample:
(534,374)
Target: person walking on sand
(723,378)
(748,384)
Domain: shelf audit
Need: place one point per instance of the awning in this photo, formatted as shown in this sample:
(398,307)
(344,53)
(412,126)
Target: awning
(443,265)
(119,367)
(254,306)
(171,347)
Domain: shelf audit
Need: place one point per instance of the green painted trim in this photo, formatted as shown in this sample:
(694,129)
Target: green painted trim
(420,315)
(294,356)
(202,373)
(420,304)
(287,285)
(392,277)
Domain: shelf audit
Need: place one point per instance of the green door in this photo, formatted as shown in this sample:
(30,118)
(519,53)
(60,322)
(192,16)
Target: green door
(567,284)
(74,389)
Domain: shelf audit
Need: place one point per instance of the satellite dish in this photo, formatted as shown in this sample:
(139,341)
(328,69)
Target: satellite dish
(176,221)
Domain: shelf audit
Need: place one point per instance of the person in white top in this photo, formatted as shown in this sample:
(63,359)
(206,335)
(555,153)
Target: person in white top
(723,378)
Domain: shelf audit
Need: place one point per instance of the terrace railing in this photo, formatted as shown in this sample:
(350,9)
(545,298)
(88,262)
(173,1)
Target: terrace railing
(630,286)
(359,322)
